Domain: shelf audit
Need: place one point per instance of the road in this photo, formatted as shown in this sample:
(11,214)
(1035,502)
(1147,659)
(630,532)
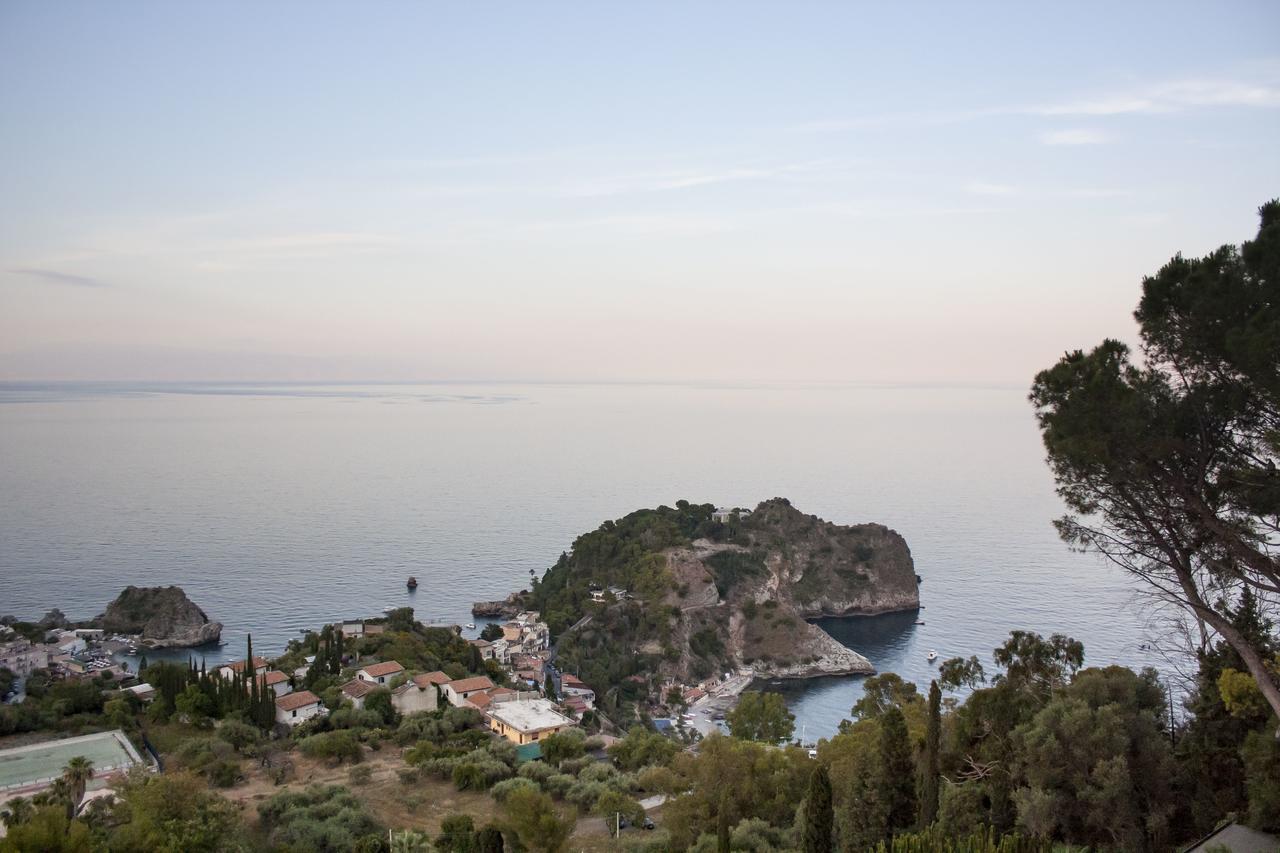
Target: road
(717,704)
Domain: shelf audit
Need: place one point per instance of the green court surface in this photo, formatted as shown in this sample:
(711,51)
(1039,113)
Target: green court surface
(37,763)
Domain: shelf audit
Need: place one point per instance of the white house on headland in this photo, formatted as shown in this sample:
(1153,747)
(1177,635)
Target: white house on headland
(296,708)
(380,673)
(724,515)
(457,692)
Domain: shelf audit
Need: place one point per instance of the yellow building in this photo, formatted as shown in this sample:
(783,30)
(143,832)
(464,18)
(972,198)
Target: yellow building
(526,720)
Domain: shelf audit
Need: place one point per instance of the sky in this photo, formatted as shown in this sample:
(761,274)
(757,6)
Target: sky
(736,192)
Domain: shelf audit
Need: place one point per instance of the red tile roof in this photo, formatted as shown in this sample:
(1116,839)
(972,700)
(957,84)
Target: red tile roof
(357,689)
(238,665)
(571,680)
(294,701)
(467,685)
(375,670)
(436,677)
(272,677)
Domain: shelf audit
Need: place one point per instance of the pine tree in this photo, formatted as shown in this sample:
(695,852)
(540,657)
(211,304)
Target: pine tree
(930,770)
(896,779)
(818,814)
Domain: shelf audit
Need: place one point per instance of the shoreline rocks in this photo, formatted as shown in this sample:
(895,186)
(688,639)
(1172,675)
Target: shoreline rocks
(507,608)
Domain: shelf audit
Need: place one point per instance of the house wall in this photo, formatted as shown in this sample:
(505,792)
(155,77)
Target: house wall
(414,700)
(298,717)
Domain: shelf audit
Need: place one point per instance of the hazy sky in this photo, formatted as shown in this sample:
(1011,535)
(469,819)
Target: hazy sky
(724,191)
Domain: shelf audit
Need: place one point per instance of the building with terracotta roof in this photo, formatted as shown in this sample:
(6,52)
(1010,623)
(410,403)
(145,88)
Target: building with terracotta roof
(296,708)
(380,673)
(236,667)
(437,678)
(276,680)
(457,692)
(356,690)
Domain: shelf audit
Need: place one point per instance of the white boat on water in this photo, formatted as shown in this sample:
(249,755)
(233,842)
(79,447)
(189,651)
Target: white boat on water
(932,655)
(471,625)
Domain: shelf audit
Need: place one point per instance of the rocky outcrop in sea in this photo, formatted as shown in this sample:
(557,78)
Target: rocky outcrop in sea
(161,617)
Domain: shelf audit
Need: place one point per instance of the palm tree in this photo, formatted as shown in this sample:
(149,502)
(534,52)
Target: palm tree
(77,774)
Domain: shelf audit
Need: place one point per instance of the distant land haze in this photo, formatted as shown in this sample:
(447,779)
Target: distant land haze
(282,507)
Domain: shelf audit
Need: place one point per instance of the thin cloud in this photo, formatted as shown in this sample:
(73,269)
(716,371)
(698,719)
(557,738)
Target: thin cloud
(56,277)
(1167,97)
(988,188)
(1172,97)
(1074,136)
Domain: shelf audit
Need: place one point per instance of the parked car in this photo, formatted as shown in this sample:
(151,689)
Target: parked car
(648,823)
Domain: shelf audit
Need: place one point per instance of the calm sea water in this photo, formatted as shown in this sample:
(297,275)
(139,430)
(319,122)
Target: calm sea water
(283,506)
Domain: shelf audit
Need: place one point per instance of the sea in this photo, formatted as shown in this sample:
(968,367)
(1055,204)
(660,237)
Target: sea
(280,507)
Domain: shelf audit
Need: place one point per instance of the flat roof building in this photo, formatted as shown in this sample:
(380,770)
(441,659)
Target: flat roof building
(524,721)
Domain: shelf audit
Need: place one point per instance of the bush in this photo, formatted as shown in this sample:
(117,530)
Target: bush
(559,784)
(360,775)
(335,746)
(322,818)
(597,772)
(239,735)
(468,777)
(574,766)
(503,789)
(585,794)
(538,771)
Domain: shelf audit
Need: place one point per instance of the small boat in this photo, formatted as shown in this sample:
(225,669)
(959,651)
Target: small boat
(932,655)
(412,583)
(471,625)
(133,650)
(387,609)
(919,621)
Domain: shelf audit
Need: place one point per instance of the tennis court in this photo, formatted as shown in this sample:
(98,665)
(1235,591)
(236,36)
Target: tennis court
(37,764)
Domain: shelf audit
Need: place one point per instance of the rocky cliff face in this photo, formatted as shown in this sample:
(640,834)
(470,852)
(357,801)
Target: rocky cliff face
(828,569)
(746,600)
(161,617)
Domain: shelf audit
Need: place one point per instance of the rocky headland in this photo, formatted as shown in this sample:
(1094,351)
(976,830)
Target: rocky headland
(710,593)
(161,617)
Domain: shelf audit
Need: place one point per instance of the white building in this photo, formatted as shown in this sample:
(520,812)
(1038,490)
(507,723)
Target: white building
(570,685)
(380,673)
(356,690)
(724,515)
(296,708)
(276,680)
(457,692)
(230,670)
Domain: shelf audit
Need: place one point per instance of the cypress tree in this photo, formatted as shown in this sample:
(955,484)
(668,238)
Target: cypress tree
(722,825)
(896,781)
(818,814)
(931,760)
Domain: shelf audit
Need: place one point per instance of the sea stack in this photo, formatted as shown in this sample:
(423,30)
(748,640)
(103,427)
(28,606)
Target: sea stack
(161,617)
